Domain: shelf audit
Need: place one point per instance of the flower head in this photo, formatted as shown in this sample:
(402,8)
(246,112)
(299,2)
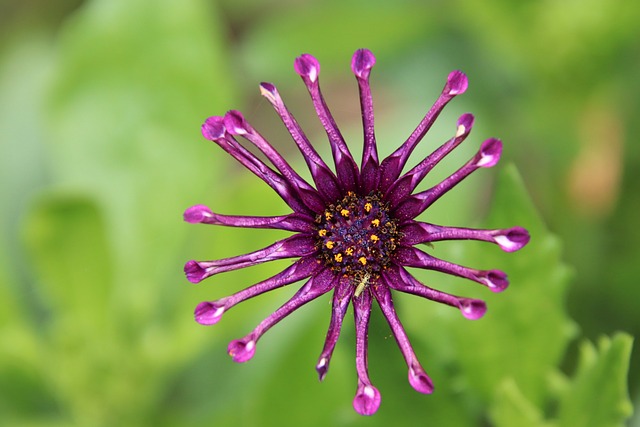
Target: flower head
(354,230)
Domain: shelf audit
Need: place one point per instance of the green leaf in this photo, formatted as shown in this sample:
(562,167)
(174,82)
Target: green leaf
(511,408)
(597,396)
(525,332)
(70,255)
(126,108)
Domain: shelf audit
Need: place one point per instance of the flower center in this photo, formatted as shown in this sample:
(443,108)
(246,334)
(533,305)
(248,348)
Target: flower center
(356,237)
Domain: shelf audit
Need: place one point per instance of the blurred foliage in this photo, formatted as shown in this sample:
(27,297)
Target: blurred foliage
(100,107)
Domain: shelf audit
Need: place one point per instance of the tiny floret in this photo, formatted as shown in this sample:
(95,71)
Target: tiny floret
(356,226)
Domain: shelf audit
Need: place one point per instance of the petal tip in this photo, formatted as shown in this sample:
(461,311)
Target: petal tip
(322,368)
(419,380)
(213,128)
(457,83)
(465,123)
(472,309)
(362,62)
(489,154)
(194,271)
(307,66)
(367,400)
(209,312)
(197,214)
(496,280)
(241,350)
(513,239)
(235,123)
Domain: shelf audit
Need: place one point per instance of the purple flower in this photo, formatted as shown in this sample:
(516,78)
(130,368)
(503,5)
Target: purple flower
(355,229)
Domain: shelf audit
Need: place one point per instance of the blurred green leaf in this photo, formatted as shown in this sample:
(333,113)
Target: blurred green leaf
(511,408)
(526,330)
(67,240)
(597,395)
(334,30)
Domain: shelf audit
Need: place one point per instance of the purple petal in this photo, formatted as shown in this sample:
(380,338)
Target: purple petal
(509,240)
(298,245)
(201,214)
(242,350)
(237,125)
(323,177)
(418,378)
(405,185)
(214,130)
(341,298)
(489,153)
(457,83)
(392,166)
(210,312)
(347,170)
(472,309)
(197,214)
(307,67)
(401,280)
(412,206)
(367,400)
(495,280)
(361,64)
(195,272)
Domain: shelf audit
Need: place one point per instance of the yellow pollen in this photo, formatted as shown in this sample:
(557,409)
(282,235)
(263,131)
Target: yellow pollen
(362,260)
(368,207)
(328,216)
(344,213)
(329,244)
(322,232)
(338,257)
(349,251)
(375,222)
(374,238)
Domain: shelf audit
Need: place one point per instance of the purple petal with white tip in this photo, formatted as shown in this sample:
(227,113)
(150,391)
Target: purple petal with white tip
(367,399)
(242,350)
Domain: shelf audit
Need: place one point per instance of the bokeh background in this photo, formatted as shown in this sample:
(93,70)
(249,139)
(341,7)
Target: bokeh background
(100,107)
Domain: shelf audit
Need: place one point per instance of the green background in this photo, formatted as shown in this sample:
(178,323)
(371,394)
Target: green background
(100,153)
